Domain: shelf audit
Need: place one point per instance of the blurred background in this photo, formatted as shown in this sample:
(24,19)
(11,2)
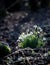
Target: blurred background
(12,5)
(17,15)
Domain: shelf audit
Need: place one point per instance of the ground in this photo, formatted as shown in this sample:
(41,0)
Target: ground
(17,22)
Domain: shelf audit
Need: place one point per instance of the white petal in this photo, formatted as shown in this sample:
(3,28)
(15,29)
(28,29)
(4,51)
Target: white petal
(44,38)
(35,26)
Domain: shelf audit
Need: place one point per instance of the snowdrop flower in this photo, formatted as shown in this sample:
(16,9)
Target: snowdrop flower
(31,33)
(20,38)
(27,35)
(38,32)
(44,39)
(40,29)
(35,26)
(22,34)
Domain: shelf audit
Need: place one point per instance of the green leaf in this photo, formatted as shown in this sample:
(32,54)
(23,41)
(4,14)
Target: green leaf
(4,50)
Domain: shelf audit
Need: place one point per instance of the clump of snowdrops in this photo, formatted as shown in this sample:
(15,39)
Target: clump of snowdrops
(33,39)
